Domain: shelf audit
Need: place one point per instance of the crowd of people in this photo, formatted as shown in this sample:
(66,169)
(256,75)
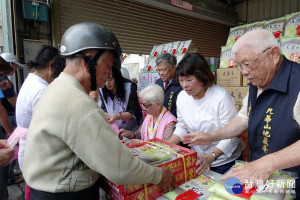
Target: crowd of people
(73,96)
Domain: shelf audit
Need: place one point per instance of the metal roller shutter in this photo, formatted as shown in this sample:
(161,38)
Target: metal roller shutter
(139,27)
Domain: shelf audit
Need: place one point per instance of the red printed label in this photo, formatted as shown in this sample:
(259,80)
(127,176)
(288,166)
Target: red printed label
(230,63)
(298,30)
(188,195)
(277,34)
(294,57)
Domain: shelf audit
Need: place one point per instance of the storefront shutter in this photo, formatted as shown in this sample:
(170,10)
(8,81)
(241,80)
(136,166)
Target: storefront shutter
(139,27)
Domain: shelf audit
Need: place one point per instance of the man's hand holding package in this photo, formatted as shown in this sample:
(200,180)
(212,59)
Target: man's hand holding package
(167,182)
(252,171)
(5,153)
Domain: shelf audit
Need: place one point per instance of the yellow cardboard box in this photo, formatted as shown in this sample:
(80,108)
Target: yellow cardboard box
(238,94)
(229,77)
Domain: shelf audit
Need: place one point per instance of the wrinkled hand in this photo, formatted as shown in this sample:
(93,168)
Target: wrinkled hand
(134,141)
(5,153)
(253,171)
(126,133)
(167,182)
(3,144)
(199,138)
(112,118)
(5,84)
(204,163)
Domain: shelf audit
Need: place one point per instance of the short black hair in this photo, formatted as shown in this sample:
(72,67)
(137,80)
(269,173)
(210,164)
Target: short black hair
(195,64)
(44,57)
(59,66)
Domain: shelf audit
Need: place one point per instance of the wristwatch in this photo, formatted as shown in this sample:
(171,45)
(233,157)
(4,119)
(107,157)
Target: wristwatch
(214,155)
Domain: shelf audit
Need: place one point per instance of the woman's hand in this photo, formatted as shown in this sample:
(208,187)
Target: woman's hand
(134,141)
(5,153)
(112,118)
(126,133)
(204,163)
(198,138)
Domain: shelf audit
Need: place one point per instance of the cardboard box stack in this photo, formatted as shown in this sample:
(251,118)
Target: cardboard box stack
(236,85)
(149,74)
(178,48)
(183,166)
(233,81)
(285,29)
(275,26)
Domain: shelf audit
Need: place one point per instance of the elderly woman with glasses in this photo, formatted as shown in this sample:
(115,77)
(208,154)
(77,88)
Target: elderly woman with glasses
(159,122)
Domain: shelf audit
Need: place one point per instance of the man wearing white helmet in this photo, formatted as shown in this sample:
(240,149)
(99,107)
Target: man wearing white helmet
(70,142)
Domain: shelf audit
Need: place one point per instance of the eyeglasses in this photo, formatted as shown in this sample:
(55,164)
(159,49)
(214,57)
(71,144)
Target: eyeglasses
(162,70)
(247,67)
(146,105)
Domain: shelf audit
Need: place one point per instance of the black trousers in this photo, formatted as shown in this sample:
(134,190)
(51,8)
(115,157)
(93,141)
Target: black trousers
(91,193)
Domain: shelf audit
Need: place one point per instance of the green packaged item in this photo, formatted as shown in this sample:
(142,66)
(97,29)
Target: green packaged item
(280,185)
(290,48)
(227,57)
(275,26)
(214,197)
(292,25)
(219,190)
(253,26)
(234,34)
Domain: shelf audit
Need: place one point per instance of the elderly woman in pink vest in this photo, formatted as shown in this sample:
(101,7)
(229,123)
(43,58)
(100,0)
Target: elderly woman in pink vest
(159,122)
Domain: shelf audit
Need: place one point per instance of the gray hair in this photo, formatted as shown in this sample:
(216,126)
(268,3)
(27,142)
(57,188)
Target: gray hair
(153,94)
(73,60)
(257,40)
(166,57)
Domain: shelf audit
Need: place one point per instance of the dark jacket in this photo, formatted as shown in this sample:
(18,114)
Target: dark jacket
(271,126)
(171,93)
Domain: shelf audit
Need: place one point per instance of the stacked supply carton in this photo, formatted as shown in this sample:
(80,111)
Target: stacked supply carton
(290,47)
(236,85)
(292,25)
(183,165)
(275,26)
(253,26)
(149,74)
(227,57)
(178,48)
(234,34)
(232,80)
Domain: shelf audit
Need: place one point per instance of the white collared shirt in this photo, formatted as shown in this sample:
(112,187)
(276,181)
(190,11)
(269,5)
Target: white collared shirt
(208,114)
